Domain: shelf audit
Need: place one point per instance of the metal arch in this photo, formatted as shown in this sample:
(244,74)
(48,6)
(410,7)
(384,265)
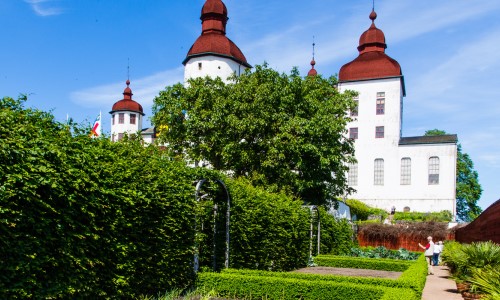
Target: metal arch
(318,235)
(228,215)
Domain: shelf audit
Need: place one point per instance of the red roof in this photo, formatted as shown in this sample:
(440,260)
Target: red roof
(127,104)
(372,62)
(213,40)
(313,71)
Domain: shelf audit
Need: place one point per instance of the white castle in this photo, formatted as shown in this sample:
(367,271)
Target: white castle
(392,171)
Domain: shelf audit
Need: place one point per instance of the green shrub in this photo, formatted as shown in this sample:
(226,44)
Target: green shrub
(336,235)
(268,231)
(263,287)
(382,252)
(87,218)
(487,281)
(442,216)
(362,263)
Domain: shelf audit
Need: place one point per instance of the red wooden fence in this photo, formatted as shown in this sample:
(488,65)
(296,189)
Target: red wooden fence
(485,228)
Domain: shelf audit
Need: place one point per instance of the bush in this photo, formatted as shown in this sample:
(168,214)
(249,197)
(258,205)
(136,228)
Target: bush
(382,252)
(363,211)
(362,263)
(87,218)
(263,287)
(337,236)
(268,231)
(443,216)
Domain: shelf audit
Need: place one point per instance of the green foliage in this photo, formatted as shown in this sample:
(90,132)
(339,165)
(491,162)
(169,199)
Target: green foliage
(464,259)
(268,231)
(363,211)
(336,235)
(487,281)
(469,189)
(382,252)
(442,216)
(87,218)
(245,286)
(362,263)
(283,132)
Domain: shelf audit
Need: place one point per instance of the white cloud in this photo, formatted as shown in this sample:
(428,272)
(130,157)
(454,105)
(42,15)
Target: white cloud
(41,8)
(144,89)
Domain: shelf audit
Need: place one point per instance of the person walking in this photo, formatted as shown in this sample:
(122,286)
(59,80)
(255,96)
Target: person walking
(429,253)
(438,248)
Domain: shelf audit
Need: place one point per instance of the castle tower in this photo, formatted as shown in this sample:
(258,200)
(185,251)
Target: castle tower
(391,170)
(126,116)
(213,54)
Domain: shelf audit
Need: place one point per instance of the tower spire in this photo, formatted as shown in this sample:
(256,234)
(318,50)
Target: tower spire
(313,72)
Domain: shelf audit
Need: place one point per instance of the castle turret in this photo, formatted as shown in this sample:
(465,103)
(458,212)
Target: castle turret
(213,54)
(126,116)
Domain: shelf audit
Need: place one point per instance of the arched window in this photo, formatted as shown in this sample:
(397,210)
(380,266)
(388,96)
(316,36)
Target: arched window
(434,170)
(352,175)
(405,171)
(378,172)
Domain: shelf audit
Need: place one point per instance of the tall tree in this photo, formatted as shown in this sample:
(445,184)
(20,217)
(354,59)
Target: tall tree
(284,132)
(468,188)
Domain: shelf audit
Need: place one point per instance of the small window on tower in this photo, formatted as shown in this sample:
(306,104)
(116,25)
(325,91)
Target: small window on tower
(120,136)
(121,118)
(113,120)
(379,132)
(199,66)
(354,111)
(353,133)
(380,103)
(132,118)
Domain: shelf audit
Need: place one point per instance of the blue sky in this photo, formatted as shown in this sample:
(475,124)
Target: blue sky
(71,56)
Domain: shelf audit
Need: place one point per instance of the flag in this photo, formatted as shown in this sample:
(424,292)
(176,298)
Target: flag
(97,128)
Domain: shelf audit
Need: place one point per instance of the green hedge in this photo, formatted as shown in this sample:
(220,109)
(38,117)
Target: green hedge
(362,263)
(261,287)
(268,231)
(336,235)
(414,277)
(87,218)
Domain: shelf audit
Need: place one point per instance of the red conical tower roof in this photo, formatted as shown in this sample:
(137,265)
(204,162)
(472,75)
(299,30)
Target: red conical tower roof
(372,62)
(213,40)
(127,104)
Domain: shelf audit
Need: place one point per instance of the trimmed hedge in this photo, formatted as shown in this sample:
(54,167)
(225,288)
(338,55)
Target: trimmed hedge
(362,263)
(414,277)
(268,231)
(262,287)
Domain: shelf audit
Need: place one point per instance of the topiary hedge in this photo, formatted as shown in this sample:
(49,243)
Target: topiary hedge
(87,218)
(269,231)
(273,287)
(362,263)
(337,236)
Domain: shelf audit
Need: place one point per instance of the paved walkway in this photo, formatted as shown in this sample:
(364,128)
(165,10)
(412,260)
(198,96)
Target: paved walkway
(439,286)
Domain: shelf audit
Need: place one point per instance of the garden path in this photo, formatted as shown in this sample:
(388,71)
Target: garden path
(439,286)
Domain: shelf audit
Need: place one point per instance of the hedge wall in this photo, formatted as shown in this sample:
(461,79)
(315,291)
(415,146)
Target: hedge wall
(362,263)
(412,279)
(85,218)
(262,287)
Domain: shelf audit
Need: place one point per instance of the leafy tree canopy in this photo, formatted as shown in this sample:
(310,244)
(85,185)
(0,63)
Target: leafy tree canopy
(468,188)
(281,131)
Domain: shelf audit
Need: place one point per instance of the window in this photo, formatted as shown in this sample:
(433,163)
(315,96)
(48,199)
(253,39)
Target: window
(199,66)
(354,111)
(379,132)
(132,118)
(378,172)
(405,171)
(380,103)
(352,175)
(434,170)
(353,133)
(113,120)
(112,137)
(120,137)
(121,118)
